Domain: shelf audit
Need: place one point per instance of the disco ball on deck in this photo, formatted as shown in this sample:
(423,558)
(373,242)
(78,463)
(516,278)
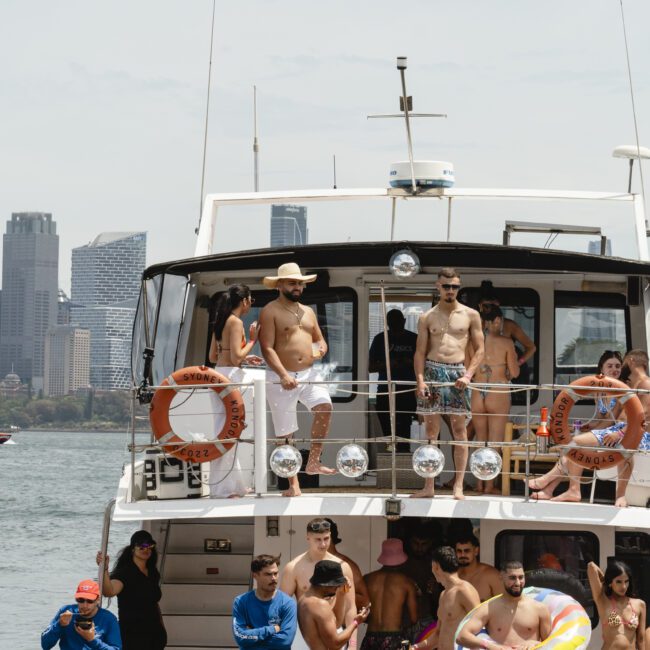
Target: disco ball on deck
(285,461)
(485,463)
(428,461)
(352,460)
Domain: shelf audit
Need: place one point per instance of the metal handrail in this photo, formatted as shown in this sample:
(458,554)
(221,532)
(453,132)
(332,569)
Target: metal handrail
(106,528)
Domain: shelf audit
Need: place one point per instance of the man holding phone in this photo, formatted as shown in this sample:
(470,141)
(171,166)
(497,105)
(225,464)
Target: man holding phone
(84,625)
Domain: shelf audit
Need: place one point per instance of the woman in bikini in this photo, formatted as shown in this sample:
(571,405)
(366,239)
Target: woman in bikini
(622,617)
(491,406)
(228,351)
(602,430)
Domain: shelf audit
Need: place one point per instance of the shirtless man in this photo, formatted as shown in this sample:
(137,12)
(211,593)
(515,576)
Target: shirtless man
(296,576)
(443,334)
(458,598)
(483,577)
(512,621)
(491,406)
(315,609)
(291,340)
(392,593)
(360,591)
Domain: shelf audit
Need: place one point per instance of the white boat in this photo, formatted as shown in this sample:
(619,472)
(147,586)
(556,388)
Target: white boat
(5,436)
(593,301)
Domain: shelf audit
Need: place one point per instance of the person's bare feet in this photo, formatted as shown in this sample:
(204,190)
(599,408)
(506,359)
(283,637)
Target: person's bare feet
(568,497)
(541,495)
(293,491)
(316,467)
(492,490)
(458,492)
(426,492)
(621,502)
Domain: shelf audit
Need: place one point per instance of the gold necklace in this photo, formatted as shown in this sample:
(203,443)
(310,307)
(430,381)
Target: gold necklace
(299,313)
(446,325)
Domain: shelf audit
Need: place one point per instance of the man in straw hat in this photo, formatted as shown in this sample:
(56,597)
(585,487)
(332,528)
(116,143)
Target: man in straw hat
(316,609)
(394,595)
(291,341)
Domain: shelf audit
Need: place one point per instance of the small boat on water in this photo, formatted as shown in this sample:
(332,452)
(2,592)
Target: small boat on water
(572,305)
(5,435)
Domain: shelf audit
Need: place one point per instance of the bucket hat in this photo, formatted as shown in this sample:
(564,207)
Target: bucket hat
(327,573)
(392,552)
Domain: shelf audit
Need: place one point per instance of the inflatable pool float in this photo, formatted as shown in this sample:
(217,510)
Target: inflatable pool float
(570,625)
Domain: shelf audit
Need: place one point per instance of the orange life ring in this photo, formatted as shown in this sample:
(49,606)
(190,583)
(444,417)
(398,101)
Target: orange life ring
(560,420)
(197,451)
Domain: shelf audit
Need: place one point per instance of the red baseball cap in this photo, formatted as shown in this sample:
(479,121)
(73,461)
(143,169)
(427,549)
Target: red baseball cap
(87,589)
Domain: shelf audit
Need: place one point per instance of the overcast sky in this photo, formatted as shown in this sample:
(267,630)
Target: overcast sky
(103,105)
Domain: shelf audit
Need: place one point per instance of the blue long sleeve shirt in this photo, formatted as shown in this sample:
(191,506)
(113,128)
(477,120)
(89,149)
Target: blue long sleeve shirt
(254,621)
(107,632)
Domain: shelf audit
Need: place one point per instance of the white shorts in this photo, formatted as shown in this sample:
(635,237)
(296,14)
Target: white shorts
(283,403)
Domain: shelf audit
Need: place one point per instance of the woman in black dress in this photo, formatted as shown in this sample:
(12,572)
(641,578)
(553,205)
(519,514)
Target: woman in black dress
(135,581)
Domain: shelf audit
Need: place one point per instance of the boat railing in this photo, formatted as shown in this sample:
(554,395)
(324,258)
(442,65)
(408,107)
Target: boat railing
(519,419)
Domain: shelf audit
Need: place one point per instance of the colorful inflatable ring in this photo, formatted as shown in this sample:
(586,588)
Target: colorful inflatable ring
(233,404)
(585,387)
(426,632)
(570,625)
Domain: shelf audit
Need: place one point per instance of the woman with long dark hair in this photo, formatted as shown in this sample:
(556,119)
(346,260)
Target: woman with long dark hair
(228,351)
(622,616)
(136,583)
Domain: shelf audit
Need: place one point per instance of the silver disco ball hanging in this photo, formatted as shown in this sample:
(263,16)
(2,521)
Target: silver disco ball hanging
(352,460)
(428,461)
(285,461)
(485,463)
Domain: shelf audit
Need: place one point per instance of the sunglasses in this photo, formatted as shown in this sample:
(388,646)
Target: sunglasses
(450,287)
(319,527)
(85,601)
(146,547)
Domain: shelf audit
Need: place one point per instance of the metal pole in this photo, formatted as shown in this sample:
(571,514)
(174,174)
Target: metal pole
(259,432)
(106,527)
(449,218)
(391,392)
(401,66)
(526,488)
(132,499)
(392,218)
(256,146)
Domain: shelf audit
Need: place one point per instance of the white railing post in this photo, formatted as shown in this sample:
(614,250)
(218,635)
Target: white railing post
(259,430)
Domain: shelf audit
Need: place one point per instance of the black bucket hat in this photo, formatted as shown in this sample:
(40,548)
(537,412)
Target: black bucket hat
(327,574)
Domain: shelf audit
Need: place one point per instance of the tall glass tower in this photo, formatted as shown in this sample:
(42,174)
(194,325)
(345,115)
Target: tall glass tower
(30,284)
(288,225)
(105,285)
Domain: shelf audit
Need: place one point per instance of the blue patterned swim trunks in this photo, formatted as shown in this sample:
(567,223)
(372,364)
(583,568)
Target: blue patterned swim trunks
(444,399)
(600,434)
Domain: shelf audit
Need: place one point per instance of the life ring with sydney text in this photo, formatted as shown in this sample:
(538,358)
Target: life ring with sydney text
(204,451)
(586,387)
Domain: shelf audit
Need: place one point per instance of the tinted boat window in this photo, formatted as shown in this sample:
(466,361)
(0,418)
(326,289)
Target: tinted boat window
(561,555)
(587,324)
(336,309)
(633,548)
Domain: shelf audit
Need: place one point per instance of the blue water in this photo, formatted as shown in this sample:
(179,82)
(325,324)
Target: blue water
(54,488)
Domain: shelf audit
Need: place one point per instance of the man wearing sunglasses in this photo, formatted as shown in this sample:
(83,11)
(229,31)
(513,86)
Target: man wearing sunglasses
(296,575)
(84,625)
(443,334)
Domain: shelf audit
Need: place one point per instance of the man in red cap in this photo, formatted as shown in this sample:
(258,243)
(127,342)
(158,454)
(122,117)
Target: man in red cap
(392,593)
(84,625)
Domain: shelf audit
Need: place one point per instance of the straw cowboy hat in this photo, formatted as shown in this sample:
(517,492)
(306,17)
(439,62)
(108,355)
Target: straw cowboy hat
(289,271)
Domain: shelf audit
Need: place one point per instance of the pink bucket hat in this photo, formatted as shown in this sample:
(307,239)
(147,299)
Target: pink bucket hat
(392,552)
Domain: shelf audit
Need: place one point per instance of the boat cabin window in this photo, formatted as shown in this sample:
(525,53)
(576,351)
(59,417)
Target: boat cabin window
(586,324)
(559,555)
(336,309)
(633,548)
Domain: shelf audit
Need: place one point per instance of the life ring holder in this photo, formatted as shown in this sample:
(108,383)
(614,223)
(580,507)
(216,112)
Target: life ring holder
(585,387)
(233,403)
(570,624)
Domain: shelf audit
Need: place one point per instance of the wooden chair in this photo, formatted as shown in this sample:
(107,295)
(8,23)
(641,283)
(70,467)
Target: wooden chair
(514,459)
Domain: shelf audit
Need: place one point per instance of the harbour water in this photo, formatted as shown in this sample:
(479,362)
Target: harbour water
(54,488)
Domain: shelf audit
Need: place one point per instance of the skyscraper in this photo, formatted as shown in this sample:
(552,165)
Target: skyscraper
(105,285)
(30,283)
(67,360)
(288,225)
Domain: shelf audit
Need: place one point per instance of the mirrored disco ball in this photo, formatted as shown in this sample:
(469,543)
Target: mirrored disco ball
(352,461)
(428,461)
(485,463)
(285,461)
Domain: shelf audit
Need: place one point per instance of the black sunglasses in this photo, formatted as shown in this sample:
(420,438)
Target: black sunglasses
(450,287)
(85,601)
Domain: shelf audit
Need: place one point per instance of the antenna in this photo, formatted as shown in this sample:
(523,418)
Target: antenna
(256,145)
(334,162)
(406,106)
